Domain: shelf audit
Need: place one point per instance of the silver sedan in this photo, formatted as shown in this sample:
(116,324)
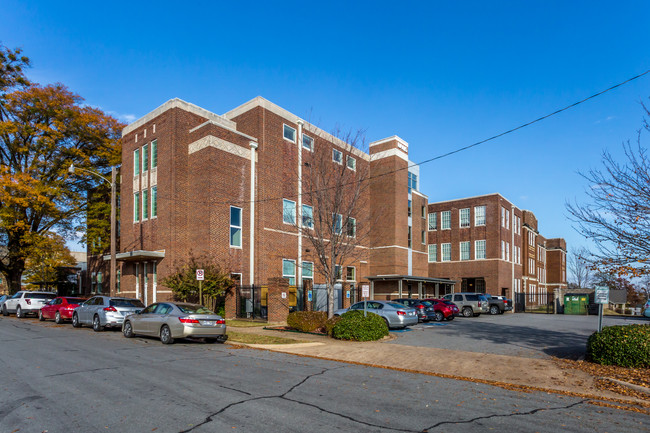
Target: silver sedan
(170,320)
(396,315)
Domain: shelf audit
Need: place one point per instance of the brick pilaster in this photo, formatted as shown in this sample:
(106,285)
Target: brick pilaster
(278,307)
(231,302)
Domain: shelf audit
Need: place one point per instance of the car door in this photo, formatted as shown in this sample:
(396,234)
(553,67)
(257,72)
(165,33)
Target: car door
(13,301)
(50,308)
(86,310)
(141,322)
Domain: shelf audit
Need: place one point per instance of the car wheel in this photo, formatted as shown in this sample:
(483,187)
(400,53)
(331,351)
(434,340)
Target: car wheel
(128,330)
(467,312)
(4,310)
(40,315)
(19,312)
(166,335)
(494,310)
(439,316)
(451,317)
(57,318)
(75,321)
(97,325)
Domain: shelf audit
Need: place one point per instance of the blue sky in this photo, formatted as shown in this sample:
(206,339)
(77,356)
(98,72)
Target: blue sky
(441,75)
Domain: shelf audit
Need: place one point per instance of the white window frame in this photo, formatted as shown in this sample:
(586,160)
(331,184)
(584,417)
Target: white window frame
(153,198)
(424,237)
(349,159)
(137,160)
(354,227)
(145,158)
(354,271)
(435,221)
(310,140)
(468,252)
(336,152)
(442,252)
(480,246)
(137,204)
(337,218)
(310,221)
(479,217)
(432,253)
(286,128)
(154,151)
(145,204)
(311,268)
(285,214)
(460,217)
(236,227)
(442,220)
(288,276)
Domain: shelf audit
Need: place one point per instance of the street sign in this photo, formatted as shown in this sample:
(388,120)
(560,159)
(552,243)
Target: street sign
(601,295)
(309,295)
(365,290)
(200,275)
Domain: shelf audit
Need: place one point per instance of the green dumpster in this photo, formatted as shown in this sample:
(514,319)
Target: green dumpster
(576,304)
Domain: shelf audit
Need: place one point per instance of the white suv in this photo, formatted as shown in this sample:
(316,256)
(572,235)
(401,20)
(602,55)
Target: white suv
(26,302)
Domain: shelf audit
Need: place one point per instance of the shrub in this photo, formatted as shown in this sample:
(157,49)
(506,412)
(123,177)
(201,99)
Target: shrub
(329,325)
(625,346)
(307,321)
(353,325)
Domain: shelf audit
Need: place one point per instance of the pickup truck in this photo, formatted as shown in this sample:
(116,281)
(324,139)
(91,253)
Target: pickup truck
(497,304)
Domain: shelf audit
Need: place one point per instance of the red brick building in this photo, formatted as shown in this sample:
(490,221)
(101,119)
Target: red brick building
(489,245)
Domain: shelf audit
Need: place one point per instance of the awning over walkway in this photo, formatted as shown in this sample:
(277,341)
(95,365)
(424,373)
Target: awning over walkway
(391,286)
(137,256)
(411,278)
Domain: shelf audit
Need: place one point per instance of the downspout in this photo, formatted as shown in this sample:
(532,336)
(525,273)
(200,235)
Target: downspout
(512,230)
(299,201)
(251,265)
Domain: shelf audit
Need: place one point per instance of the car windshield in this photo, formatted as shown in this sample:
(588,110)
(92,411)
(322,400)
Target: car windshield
(427,303)
(482,298)
(126,303)
(40,295)
(75,300)
(395,305)
(194,309)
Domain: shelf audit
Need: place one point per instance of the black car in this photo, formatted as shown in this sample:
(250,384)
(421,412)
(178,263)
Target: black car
(424,309)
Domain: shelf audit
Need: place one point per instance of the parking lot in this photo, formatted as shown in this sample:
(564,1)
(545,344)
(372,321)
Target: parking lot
(521,334)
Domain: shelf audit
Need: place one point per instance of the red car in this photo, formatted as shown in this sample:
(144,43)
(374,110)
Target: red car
(448,309)
(59,309)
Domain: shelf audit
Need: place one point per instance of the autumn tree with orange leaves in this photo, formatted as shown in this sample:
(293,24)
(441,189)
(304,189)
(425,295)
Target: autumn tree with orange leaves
(43,129)
(617,216)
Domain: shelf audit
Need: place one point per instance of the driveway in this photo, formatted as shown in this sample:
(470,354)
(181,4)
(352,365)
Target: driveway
(522,334)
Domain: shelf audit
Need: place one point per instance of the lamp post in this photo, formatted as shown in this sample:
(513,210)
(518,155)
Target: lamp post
(112,183)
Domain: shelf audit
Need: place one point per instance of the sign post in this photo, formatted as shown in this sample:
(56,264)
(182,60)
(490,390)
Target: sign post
(200,276)
(365,293)
(601,296)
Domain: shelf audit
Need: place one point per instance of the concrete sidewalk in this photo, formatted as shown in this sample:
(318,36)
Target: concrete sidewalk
(500,370)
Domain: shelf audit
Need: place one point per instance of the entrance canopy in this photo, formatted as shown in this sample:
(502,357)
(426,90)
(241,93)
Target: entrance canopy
(402,286)
(137,256)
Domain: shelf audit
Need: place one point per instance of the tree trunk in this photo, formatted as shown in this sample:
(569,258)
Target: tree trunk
(330,300)
(14,280)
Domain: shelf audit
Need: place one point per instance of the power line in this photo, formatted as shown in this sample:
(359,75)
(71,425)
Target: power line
(444,155)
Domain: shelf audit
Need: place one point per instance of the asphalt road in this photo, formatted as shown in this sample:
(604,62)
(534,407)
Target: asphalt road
(525,335)
(61,379)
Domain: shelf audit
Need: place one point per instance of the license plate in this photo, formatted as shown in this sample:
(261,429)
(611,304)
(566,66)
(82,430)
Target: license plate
(411,314)
(207,322)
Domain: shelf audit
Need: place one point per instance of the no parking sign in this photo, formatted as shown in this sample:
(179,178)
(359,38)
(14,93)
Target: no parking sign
(200,275)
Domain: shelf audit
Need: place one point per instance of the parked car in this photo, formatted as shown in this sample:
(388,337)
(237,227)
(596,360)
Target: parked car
(59,309)
(448,309)
(423,309)
(105,311)
(646,309)
(396,315)
(469,304)
(506,302)
(3,298)
(170,320)
(497,305)
(26,302)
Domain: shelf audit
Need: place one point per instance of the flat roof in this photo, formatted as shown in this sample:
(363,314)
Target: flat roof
(137,255)
(410,278)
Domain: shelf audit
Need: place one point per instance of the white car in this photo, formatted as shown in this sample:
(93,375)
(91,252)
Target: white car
(26,302)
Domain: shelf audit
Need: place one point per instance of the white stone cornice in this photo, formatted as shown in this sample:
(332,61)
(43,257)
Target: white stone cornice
(390,152)
(218,143)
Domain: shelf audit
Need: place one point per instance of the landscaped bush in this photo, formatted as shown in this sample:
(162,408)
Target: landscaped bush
(353,325)
(307,321)
(329,325)
(625,346)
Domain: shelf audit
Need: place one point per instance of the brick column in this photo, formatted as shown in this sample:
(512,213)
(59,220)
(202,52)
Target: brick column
(345,288)
(307,286)
(231,302)
(278,307)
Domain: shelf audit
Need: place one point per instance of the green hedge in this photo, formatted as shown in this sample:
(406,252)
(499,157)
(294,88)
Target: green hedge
(307,321)
(625,346)
(354,326)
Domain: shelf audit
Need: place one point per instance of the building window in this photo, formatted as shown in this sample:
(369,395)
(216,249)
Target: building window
(410,241)
(337,156)
(508,251)
(307,216)
(433,253)
(338,272)
(505,217)
(154,201)
(93,282)
(289,133)
(337,223)
(118,281)
(154,154)
(446,220)
(464,217)
(479,249)
(100,280)
(136,162)
(446,252)
(479,215)
(409,207)
(503,250)
(288,211)
(433,221)
(145,204)
(352,163)
(464,250)
(424,212)
(308,270)
(307,142)
(352,227)
(145,158)
(413,181)
(235,226)
(424,237)
(289,271)
(136,207)
(350,273)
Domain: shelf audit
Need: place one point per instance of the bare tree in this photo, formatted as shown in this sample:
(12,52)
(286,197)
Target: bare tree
(580,268)
(334,220)
(617,218)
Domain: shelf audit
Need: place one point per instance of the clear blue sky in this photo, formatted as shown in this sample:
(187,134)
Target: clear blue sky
(441,75)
